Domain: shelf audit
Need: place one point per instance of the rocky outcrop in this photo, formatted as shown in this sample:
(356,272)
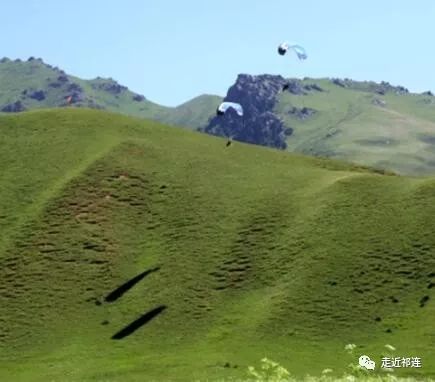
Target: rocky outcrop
(109,85)
(38,95)
(259,125)
(63,78)
(14,107)
(258,96)
(74,88)
(138,98)
(338,82)
(301,113)
(296,87)
(77,97)
(311,87)
(370,86)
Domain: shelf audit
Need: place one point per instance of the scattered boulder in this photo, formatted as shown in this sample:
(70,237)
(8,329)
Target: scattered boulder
(302,113)
(73,87)
(370,86)
(38,95)
(77,97)
(288,131)
(15,107)
(311,87)
(63,78)
(338,82)
(379,102)
(109,85)
(294,87)
(138,98)
(401,90)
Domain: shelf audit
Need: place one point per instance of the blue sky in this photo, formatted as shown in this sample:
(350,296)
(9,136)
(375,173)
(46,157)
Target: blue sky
(171,51)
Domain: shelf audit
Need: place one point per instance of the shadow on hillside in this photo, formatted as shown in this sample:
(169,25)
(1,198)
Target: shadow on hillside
(118,292)
(141,321)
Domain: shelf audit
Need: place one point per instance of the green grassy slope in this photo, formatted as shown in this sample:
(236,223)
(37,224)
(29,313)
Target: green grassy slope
(348,125)
(194,113)
(259,253)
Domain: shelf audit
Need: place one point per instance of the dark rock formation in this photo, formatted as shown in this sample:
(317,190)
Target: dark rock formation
(15,107)
(77,97)
(73,87)
(63,78)
(370,86)
(338,82)
(288,131)
(258,96)
(302,113)
(109,85)
(38,95)
(294,87)
(311,87)
(138,98)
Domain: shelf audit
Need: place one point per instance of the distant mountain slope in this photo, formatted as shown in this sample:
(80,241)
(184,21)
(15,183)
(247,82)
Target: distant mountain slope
(194,113)
(133,251)
(32,84)
(383,128)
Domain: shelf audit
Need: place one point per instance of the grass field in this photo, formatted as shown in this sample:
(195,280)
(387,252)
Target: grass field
(349,125)
(132,251)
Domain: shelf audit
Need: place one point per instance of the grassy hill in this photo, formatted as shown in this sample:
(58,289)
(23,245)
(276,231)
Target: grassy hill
(33,84)
(349,120)
(355,123)
(194,113)
(134,251)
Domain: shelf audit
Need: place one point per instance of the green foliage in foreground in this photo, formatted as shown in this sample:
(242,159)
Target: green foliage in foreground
(271,371)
